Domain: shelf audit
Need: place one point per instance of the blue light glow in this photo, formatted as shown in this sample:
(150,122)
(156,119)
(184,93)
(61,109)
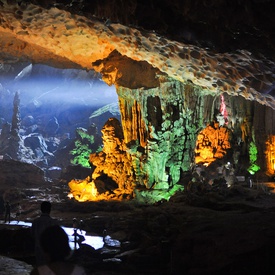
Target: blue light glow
(52,85)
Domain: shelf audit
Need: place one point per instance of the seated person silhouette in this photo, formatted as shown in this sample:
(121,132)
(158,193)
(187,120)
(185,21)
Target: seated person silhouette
(55,244)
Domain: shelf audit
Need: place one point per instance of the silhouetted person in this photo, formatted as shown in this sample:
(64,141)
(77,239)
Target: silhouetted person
(55,244)
(38,226)
(7,212)
(78,238)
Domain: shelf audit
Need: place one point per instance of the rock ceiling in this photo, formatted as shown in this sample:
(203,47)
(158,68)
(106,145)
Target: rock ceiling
(52,35)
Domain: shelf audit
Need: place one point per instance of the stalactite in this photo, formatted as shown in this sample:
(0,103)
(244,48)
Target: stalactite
(161,128)
(167,120)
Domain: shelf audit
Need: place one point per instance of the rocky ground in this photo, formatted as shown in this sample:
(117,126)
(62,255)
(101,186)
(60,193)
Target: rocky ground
(225,231)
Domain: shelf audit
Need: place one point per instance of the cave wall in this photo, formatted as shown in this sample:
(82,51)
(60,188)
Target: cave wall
(264,132)
(169,90)
(160,129)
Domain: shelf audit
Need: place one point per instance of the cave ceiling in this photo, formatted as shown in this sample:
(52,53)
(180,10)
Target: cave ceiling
(221,46)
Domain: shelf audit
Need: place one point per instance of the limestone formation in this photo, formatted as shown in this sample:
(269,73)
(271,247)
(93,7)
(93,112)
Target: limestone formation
(113,176)
(55,36)
(114,162)
(169,90)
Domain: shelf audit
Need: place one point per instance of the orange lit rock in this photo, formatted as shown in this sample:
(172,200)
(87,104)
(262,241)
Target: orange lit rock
(212,143)
(270,155)
(83,190)
(167,91)
(123,71)
(114,162)
(133,123)
(113,177)
(32,32)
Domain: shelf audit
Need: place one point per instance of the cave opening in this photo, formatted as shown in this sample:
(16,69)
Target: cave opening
(60,114)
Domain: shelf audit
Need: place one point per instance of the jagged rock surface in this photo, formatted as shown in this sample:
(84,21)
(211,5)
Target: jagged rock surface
(113,162)
(167,132)
(85,41)
(18,174)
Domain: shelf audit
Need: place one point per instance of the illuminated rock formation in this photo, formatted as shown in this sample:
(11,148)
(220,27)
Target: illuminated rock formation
(113,176)
(153,126)
(55,36)
(213,143)
(169,91)
(113,164)
(270,155)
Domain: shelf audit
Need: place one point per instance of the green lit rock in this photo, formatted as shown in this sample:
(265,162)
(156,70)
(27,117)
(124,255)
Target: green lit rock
(253,152)
(83,148)
(160,128)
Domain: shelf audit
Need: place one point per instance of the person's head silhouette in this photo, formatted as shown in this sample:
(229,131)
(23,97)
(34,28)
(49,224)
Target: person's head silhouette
(46,207)
(56,249)
(55,243)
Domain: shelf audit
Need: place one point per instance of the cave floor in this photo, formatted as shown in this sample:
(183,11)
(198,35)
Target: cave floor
(231,232)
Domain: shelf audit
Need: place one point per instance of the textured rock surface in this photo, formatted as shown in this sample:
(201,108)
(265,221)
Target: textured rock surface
(15,174)
(162,112)
(84,41)
(113,176)
(158,141)
(114,161)
(168,90)
(213,142)
(10,266)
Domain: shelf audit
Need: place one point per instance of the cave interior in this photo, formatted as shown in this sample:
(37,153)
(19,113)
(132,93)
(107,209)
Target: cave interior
(172,101)
(183,106)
